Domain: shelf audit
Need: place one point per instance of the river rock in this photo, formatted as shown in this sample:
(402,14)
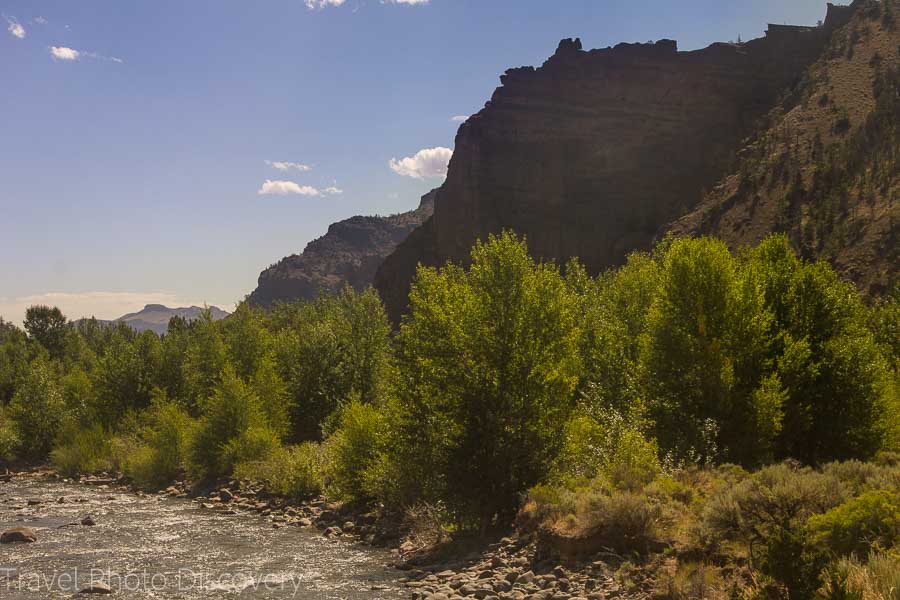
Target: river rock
(225,495)
(96,588)
(18,535)
(88,521)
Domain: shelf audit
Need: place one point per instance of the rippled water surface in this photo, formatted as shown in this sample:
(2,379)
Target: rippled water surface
(155,547)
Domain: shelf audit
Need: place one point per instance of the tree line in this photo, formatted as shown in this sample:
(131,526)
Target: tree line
(507,373)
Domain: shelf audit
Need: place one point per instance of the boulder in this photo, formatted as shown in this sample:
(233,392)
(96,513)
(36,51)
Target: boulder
(96,588)
(18,535)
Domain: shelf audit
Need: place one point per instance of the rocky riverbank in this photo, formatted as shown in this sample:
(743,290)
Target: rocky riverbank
(515,567)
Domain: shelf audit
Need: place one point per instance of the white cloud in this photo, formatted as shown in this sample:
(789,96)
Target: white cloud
(460,118)
(16,29)
(40,20)
(320,4)
(103,305)
(287,166)
(430,162)
(284,188)
(70,54)
(63,53)
(333,190)
(408,2)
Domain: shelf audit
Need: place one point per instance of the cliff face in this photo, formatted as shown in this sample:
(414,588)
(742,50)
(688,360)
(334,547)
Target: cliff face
(349,253)
(824,167)
(592,153)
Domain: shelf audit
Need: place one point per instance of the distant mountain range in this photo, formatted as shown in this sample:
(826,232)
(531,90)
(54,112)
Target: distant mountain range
(155,317)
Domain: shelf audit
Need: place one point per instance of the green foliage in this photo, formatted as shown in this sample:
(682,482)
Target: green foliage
(205,357)
(125,376)
(9,437)
(293,472)
(14,359)
(860,525)
(768,512)
(232,428)
(353,450)
(833,374)
(489,360)
(329,350)
(82,450)
(610,444)
(38,409)
(704,356)
(246,339)
(273,395)
(161,452)
(47,326)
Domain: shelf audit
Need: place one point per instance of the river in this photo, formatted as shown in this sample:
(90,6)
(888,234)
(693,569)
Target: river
(155,547)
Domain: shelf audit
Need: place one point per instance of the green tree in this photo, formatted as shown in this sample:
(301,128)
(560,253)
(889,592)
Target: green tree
(247,340)
(833,373)
(329,350)
(205,358)
(704,357)
(489,361)
(47,326)
(125,376)
(38,409)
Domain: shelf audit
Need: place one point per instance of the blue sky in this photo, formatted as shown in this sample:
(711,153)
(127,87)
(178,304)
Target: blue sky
(137,136)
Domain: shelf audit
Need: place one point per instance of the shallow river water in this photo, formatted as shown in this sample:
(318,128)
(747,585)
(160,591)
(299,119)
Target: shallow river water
(153,547)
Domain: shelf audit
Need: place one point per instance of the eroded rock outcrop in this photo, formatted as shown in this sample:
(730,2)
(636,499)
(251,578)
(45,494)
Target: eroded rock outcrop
(349,253)
(592,153)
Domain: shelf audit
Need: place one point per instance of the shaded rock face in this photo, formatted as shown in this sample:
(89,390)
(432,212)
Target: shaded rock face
(349,253)
(824,166)
(595,151)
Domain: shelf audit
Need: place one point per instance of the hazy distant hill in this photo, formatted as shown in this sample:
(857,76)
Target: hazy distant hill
(155,317)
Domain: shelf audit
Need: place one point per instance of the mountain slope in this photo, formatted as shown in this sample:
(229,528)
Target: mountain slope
(592,153)
(824,166)
(349,253)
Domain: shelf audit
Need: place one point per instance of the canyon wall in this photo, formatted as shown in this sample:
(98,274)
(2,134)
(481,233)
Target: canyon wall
(348,254)
(592,153)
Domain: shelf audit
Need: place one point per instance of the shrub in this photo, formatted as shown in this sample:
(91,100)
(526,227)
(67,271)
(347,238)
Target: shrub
(231,411)
(160,455)
(693,580)
(860,525)
(353,449)
(610,444)
(9,437)
(82,450)
(293,472)
(254,445)
(768,512)
(850,579)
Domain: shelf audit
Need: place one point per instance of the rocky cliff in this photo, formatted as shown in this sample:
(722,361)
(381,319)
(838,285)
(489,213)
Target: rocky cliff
(592,153)
(824,166)
(349,253)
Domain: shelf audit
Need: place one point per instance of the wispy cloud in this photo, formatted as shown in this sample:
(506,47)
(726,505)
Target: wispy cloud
(333,190)
(15,28)
(430,162)
(320,4)
(70,54)
(408,2)
(100,304)
(287,166)
(460,118)
(39,20)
